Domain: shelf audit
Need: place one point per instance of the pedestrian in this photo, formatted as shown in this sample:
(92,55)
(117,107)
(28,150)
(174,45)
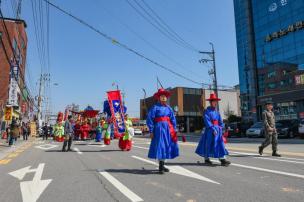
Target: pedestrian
(50,130)
(45,132)
(69,134)
(163,132)
(211,144)
(14,132)
(25,131)
(270,130)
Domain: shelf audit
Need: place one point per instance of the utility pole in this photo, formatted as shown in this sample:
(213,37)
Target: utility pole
(18,9)
(43,78)
(212,72)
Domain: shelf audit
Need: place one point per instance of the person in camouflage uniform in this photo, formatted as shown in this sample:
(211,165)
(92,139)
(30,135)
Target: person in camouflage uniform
(269,130)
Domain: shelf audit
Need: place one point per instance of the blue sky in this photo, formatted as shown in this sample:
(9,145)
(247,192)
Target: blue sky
(85,65)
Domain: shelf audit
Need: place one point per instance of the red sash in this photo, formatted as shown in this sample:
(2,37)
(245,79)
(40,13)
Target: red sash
(172,131)
(215,122)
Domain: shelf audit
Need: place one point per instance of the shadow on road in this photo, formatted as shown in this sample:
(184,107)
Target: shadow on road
(133,171)
(192,164)
(113,150)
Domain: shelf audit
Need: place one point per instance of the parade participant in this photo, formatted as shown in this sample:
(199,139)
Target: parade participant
(69,132)
(270,130)
(77,130)
(105,133)
(59,129)
(85,129)
(162,126)
(98,133)
(211,144)
(125,142)
(59,132)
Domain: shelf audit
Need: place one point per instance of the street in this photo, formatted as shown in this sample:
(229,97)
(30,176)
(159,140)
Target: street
(95,172)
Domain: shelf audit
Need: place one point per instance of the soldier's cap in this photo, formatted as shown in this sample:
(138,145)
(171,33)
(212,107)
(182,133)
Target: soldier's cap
(269,103)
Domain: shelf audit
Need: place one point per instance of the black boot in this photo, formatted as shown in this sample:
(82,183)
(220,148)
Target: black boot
(161,167)
(224,162)
(166,169)
(274,153)
(261,150)
(208,162)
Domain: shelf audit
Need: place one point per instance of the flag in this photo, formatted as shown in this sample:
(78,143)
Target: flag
(117,111)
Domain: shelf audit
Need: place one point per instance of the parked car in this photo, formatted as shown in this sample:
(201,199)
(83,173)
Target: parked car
(256,130)
(301,128)
(287,128)
(234,129)
(138,131)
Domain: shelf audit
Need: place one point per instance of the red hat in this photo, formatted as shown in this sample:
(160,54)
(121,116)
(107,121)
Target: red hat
(160,92)
(213,97)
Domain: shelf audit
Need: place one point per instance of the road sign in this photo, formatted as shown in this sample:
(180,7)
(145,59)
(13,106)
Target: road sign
(31,190)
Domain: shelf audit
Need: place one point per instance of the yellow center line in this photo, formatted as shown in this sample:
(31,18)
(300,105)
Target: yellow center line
(5,161)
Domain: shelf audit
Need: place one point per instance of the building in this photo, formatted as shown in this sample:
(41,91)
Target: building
(270,44)
(13,46)
(189,103)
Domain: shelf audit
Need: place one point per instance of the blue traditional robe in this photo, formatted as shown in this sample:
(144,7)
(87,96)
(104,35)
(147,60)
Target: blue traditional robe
(162,147)
(211,145)
(98,134)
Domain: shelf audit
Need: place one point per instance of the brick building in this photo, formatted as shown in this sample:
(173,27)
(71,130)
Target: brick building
(12,91)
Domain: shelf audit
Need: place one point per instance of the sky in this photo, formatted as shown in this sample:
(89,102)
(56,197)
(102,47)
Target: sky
(85,65)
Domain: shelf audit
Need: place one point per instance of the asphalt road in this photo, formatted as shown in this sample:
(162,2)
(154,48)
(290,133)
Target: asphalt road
(94,172)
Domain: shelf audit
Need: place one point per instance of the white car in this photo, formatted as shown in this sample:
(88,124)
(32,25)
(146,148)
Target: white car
(256,130)
(138,131)
(301,127)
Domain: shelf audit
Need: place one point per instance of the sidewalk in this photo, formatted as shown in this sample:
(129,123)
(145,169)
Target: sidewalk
(5,149)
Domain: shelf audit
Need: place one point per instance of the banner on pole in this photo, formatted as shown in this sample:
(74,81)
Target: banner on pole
(117,111)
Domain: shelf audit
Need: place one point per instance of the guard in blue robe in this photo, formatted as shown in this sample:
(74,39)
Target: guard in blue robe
(162,126)
(211,144)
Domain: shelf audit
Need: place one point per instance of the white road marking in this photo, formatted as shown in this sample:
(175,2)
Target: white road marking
(77,150)
(46,146)
(122,188)
(267,157)
(141,147)
(281,160)
(180,171)
(268,170)
(101,145)
(31,190)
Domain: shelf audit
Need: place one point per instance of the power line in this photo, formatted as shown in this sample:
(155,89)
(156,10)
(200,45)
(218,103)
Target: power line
(156,26)
(121,44)
(163,26)
(168,27)
(182,67)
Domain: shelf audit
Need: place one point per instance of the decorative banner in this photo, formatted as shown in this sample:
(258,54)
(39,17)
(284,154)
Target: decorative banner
(13,87)
(8,113)
(117,111)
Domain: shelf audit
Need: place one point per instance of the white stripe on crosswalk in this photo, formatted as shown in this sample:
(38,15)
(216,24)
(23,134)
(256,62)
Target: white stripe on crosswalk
(281,160)
(268,170)
(141,147)
(180,171)
(122,188)
(267,157)
(77,150)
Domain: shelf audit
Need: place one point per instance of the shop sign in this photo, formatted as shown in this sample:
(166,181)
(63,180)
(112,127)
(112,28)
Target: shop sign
(8,115)
(291,28)
(299,79)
